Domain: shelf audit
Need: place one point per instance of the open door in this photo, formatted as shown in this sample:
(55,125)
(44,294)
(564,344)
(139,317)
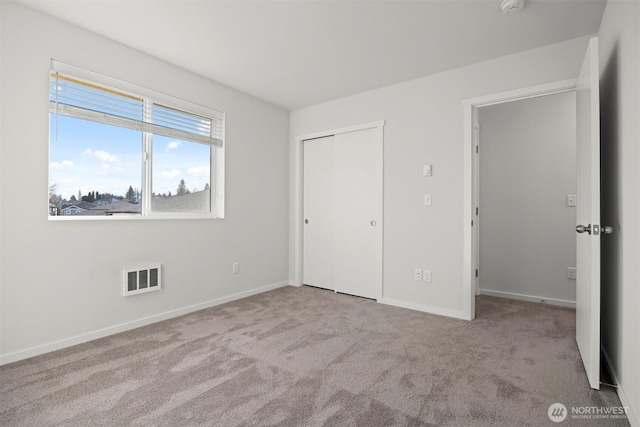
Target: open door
(588,215)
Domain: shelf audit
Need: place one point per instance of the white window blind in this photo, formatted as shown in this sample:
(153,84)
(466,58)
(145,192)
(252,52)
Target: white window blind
(74,97)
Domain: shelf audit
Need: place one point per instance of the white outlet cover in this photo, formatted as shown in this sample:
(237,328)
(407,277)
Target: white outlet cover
(426,170)
(427,199)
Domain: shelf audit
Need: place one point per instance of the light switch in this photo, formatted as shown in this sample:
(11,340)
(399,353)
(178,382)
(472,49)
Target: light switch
(426,276)
(572,200)
(426,170)
(427,199)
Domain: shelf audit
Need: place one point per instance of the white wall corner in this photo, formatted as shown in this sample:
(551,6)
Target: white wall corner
(633,414)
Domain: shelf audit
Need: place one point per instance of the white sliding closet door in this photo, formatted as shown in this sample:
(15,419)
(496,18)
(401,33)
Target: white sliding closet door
(319,181)
(342,247)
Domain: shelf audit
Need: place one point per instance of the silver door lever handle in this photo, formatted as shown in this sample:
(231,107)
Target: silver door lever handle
(581,229)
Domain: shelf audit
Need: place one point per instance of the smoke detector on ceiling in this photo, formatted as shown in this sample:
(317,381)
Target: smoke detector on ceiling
(511,6)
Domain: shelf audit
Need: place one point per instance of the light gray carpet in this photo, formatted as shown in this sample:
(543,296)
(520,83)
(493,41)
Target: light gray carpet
(310,357)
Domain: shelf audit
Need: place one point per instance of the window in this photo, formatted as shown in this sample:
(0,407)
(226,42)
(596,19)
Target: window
(120,151)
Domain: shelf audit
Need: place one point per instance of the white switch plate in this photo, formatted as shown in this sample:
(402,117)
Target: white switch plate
(417,274)
(572,199)
(426,170)
(571,273)
(427,199)
(426,276)
(235,268)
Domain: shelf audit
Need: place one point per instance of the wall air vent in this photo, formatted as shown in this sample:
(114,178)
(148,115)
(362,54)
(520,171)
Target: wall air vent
(139,280)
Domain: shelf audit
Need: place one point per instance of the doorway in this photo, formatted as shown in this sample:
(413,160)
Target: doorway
(586,87)
(470,178)
(526,199)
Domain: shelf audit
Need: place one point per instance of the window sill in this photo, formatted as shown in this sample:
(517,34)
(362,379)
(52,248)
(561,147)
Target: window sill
(129,217)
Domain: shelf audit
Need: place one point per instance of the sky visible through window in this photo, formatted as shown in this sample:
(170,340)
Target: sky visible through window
(174,160)
(87,156)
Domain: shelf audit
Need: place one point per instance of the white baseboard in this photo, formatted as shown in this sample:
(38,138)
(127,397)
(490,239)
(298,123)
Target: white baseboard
(424,308)
(632,412)
(530,298)
(122,327)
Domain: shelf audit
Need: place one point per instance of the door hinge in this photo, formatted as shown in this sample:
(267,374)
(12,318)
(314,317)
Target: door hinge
(476,272)
(476,149)
(476,211)
(472,223)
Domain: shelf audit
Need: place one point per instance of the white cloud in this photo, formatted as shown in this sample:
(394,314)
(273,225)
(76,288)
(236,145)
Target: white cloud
(173,145)
(171,174)
(60,165)
(105,166)
(104,156)
(198,171)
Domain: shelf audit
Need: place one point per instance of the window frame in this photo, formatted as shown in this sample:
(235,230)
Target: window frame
(217,152)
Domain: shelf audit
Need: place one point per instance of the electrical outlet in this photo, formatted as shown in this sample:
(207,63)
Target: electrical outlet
(417,274)
(426,276)
(571,273)
(427,199)
(235,268)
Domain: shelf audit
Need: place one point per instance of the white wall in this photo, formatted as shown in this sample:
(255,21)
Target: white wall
(527,168)
(424,124)
(619,45)
(61,281)
(1,120)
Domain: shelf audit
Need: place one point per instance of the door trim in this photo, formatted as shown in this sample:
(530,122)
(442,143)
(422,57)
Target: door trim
(295,254)
(470,166)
